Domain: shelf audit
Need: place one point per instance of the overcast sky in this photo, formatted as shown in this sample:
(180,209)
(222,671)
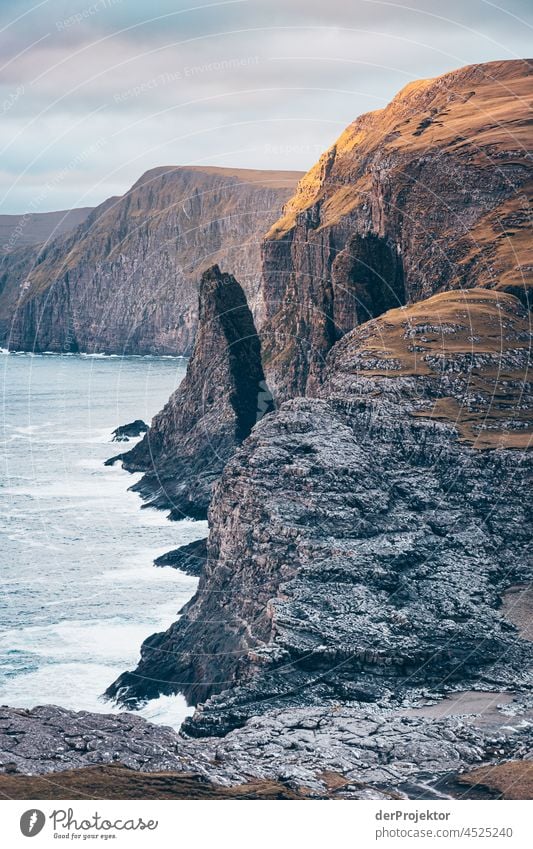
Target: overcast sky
(95,92)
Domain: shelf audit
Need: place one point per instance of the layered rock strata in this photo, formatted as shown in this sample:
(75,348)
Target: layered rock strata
(125,280)
(432,193)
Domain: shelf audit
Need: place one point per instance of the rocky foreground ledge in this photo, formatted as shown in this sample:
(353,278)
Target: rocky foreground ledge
(348,750)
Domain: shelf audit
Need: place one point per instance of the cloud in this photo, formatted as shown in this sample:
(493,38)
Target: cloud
(245,83)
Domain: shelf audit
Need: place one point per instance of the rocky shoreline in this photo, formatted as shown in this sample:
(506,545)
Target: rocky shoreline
(361,625)
(357,550)
(360,752)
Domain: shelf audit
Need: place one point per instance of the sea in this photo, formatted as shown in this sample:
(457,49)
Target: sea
(79,591)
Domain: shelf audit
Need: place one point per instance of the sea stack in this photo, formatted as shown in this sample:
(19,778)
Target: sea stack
(221,398)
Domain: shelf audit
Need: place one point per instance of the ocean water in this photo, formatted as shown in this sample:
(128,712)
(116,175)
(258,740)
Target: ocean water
(79,592)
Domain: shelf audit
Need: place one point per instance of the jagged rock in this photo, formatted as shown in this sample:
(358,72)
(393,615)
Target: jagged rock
(332,750)
(49,738)
(190,558)
(431,193)
(221,397)
(125,281)
(361,542)
(124,433)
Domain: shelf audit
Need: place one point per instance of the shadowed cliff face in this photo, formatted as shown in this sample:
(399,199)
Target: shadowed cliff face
(361,542)
(125,281)
(221,398)
(432,193)
(368,280)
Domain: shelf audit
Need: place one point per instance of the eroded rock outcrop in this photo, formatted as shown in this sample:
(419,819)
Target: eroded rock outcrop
(361,542)
(123,433)
(190,558)
(215,407)
(125,281)
(431,193)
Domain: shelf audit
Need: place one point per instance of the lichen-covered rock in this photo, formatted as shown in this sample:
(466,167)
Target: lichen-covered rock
(328,751)
(360,542)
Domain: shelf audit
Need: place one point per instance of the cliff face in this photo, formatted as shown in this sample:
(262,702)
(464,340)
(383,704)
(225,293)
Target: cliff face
(21,241)
(125,280)
(361,542)
(215,407)
(429,194)
(36,228)
(363,538)
(15,265)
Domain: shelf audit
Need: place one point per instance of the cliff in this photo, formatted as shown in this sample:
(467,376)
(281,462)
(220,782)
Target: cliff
(22,238)
(361,624)
(431,193)
(125,280)
(36,228)
(221,397)
(361,542)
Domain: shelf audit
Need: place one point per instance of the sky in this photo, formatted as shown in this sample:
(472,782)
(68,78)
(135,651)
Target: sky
(95,92)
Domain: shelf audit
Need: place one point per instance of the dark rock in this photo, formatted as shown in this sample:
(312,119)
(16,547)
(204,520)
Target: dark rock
(124,433)
(220,399)
(331,750)
(112,460)
(189,558)
(48,738)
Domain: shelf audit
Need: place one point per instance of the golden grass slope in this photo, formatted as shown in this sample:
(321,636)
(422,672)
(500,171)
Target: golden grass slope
(487,107)
(477,341)
(480,116)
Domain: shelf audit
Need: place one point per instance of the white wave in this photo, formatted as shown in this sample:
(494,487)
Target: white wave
(79,686)
(75,686)
(78,661)
(106,641)
(94,545)
(27,431)
(167,710)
